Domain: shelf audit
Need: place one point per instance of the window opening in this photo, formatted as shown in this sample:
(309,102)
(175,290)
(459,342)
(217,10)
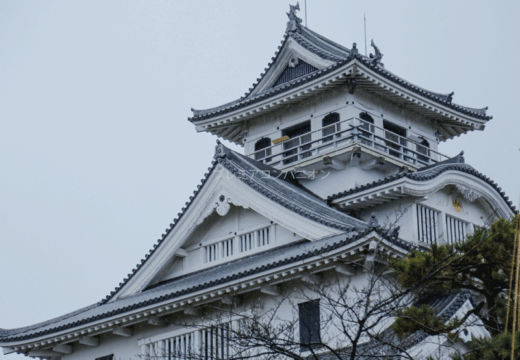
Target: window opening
(456,230)
(309,316)
(261,144)
(298,136)
(427,224)
(366,128)
(424,150)
(329,127)
(397,140)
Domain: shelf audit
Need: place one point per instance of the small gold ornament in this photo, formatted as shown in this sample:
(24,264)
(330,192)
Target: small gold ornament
(457,205)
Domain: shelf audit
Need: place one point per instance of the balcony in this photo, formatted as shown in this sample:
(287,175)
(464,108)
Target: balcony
(342,135)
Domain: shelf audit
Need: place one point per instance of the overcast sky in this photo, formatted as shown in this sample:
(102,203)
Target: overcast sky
(97,156)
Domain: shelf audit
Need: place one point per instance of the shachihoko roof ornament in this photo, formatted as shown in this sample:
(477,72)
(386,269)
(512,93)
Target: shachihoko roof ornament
(294,20)
(376,59)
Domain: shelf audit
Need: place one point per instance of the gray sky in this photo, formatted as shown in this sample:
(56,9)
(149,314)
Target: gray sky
(96,154)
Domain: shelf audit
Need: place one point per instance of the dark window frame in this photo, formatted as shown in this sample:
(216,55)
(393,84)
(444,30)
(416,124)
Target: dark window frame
(330,119)
(297,130)
(366,117)
(310,324)
(290,147)
(328,127)
(262,144)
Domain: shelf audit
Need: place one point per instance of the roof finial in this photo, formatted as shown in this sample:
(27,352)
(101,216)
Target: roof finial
(294,20)
(354,50)
(376,59)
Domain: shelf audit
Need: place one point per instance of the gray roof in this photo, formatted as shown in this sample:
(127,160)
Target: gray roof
(329,50)
(204,279)
(282,188)
(427,173)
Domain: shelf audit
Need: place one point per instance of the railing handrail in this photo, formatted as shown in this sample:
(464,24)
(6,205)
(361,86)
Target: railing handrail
(352,127)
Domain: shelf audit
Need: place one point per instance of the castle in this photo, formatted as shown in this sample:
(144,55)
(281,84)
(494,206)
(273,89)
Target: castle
(341,170)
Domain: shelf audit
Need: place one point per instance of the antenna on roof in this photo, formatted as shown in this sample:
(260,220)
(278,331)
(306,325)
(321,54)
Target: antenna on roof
(305,13)
(364,16)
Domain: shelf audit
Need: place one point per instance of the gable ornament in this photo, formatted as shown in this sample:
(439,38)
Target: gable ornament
(223,205)
(468,193)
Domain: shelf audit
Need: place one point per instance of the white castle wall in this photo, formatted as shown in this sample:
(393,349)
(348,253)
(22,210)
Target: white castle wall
(315,109)
(126,348)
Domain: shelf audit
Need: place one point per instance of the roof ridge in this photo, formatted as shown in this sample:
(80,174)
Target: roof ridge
(427,174)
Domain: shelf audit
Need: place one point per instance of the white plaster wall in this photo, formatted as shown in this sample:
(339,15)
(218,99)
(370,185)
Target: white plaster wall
(217,228)
(403,212)
(126,348)
(272,124)
(328,181)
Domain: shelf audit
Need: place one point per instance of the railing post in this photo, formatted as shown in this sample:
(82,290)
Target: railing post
(355,131)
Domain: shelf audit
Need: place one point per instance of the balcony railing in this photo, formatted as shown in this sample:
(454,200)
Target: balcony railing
(341,134)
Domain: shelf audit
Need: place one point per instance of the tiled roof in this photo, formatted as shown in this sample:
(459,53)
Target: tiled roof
(284,189)
(279,187)
(327,49)
(428,173)
(204,279)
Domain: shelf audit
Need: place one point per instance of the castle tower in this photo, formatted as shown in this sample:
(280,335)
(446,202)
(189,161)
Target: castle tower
(341,171)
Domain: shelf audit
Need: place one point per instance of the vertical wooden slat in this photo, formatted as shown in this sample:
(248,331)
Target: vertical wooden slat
(145,352)
(435,218)
(418,223)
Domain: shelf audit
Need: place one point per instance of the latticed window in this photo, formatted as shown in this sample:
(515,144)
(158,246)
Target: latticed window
(254,239)
(456,230)
(220,250)
(210,343)
(427,224)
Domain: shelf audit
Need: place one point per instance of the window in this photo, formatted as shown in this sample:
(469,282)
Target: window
(309,313)
(367,128)
(261,144)
(219,250)
(209,343)
(329,126)
(456,230)
(424,149)
(397,137)
(366,117)
(254,239)
(298,135)
(427,224)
